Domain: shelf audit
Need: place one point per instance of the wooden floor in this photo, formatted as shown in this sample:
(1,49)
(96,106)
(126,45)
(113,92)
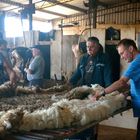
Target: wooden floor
(114,133)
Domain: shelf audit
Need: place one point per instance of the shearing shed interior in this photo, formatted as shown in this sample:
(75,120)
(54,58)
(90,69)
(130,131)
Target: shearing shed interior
(63,75)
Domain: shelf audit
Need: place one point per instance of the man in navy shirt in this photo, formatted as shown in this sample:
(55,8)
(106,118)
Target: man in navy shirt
(129,52)
(94,66)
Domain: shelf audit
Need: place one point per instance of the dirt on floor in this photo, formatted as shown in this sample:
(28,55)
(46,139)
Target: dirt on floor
(115,133)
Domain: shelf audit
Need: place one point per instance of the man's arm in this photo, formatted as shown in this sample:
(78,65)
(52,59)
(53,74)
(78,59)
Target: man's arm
(33,66)
(75,77)
(29,71)
(122,82)
(11,73)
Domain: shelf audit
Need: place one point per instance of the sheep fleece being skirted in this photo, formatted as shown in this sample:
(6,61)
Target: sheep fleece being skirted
(66,113)
(10,119)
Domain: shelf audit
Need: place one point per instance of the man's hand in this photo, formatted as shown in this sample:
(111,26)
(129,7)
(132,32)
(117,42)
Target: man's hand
(92,97)
(13,78)
(29,71)
(97,95)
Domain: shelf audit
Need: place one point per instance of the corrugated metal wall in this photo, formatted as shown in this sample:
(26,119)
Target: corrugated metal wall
(123,14)
(118,14)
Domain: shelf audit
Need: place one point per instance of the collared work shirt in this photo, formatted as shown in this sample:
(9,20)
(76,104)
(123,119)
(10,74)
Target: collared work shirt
(133,73)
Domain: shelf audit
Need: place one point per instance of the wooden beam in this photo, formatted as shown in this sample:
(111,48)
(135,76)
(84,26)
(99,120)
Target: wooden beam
(12,3)
(23,5)
(67,5)
(51,12)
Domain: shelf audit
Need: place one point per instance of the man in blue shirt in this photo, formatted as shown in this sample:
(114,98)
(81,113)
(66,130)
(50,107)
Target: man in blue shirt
(35,71)
(129,52)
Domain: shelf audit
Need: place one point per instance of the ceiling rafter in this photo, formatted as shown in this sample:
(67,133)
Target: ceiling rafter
(64,4)
(12,3)
(53,13)
(39,19)
(20,5)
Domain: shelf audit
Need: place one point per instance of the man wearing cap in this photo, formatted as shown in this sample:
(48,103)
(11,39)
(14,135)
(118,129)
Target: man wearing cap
(36,68)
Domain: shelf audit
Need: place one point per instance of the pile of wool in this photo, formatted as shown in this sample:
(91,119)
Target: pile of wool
(6,87)
(97,88)
(66,113)
(71,105)
(115,100)
(10,120)
(58,88)
(63,113)
(96,113)
(53,117)
(85,111)
(32,121)
(80,92)
(33,89)
(26,90)
(2,113)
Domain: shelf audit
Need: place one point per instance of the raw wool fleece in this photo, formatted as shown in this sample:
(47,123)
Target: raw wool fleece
(80,92)
(57,88)
(33,121)
(33,89)
(53,117)
(115,100)
(86,111)
(2,113)
(64,113)
(97,88)
(26,90)
(73,112)
(10,120)
(4,88)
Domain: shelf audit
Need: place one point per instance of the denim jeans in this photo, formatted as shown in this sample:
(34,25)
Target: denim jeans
(36,82)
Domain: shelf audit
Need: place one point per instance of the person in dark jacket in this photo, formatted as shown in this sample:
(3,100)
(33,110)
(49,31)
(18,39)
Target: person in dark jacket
(94,67)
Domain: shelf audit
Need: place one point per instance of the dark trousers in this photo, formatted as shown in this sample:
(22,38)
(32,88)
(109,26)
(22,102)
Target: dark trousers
(36,83)
(138,130)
